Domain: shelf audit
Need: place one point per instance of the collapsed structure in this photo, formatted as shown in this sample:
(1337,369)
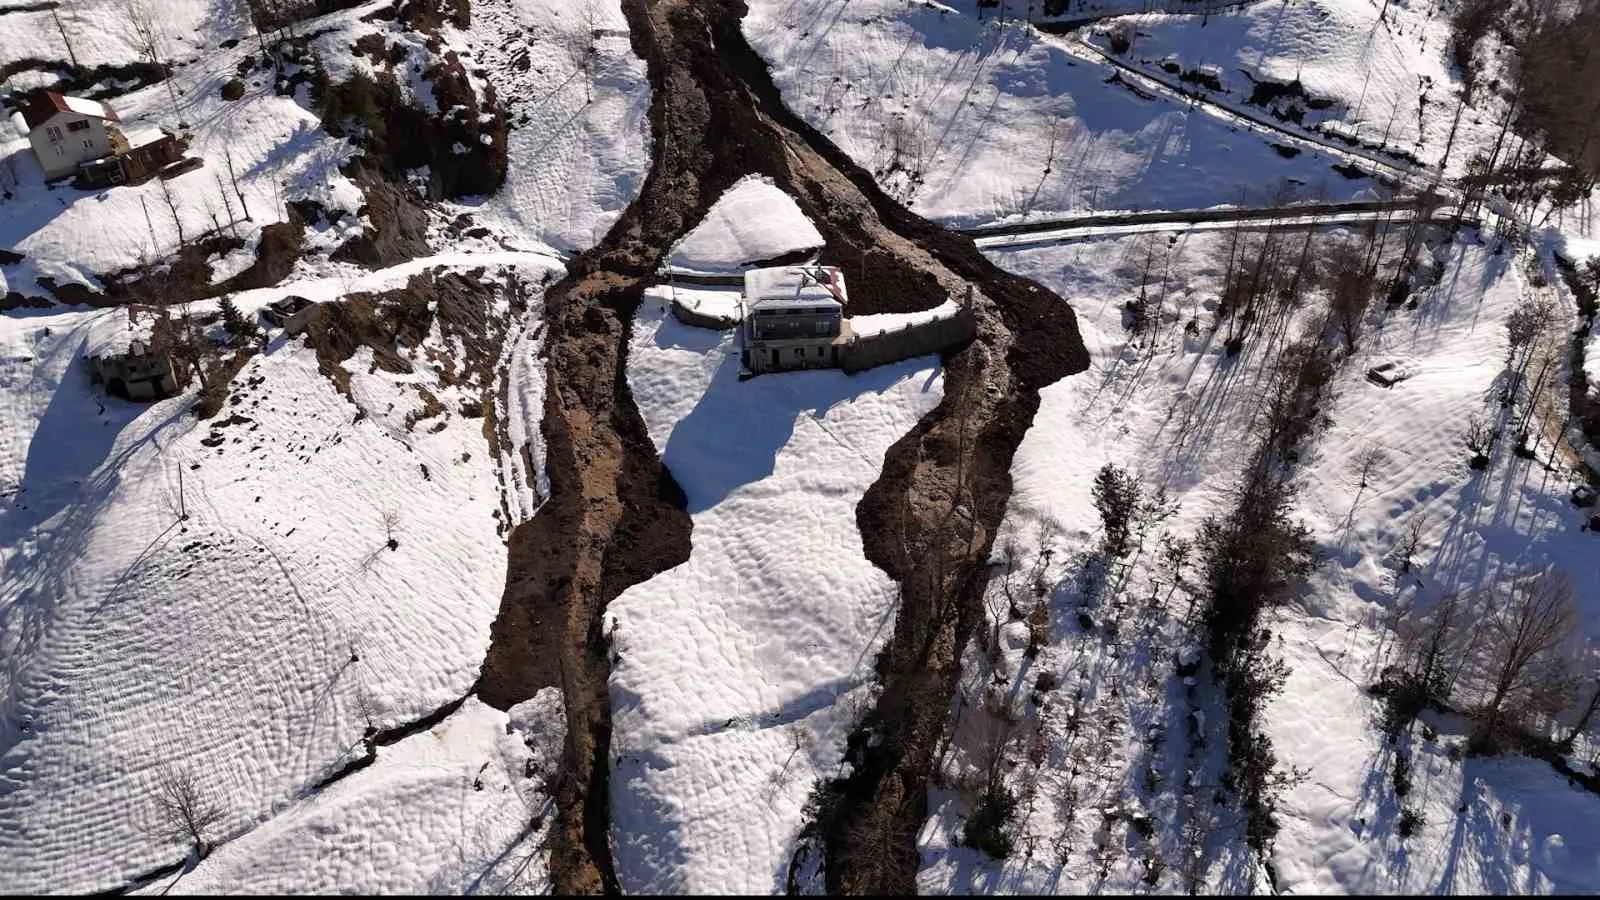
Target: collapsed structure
(123,356)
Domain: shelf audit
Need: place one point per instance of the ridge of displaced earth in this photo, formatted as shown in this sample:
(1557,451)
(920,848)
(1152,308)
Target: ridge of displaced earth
(616,516)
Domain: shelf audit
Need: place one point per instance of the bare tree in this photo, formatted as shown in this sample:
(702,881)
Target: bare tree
(1410,540)
(1523,665)
(391,520)
(184,812)
(582,43)
(1367,462)
(1480,437)
(172,207)
(234,180)
(227,205)
(66,40)
(1586,712)
(148,35)
(1433,640)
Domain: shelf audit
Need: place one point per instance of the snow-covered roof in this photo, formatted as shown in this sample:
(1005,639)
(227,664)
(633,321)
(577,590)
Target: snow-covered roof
(20,123)
(115,334)
(140,135)
(793,286)
(48,104)
(752,221)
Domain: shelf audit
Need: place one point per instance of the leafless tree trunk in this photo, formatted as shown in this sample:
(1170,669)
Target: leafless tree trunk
(184,812)
(66,40)
(234,180)
(1587,716)
(172,207)
(149,37)
(582,44)
(1523,662)
(149,224)
(227,205)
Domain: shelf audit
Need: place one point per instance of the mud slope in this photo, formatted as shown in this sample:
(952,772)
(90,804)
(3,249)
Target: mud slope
(616,517)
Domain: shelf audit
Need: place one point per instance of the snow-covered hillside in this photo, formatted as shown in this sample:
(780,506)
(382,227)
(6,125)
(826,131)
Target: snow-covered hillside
(738,675)
(971,122)
(244,598)
(101,34)
(256,638)
(1106,753)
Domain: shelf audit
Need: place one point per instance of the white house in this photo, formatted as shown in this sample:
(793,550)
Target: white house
(793,318)
(66,131)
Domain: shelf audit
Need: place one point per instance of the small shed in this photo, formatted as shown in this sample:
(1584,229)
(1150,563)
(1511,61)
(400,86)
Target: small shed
(122,356)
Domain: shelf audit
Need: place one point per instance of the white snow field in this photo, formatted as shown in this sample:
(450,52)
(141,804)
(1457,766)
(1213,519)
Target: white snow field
(100,33)
(1477,529)
(971,122)
(738,675)
(580,135)
(454,809)
(1175,414)
(751,222)
(252,642)
(1390,82)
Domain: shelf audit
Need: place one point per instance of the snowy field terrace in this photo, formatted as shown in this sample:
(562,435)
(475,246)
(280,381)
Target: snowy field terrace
(970,122)
(737,675)
(1113,789)
(1388,82)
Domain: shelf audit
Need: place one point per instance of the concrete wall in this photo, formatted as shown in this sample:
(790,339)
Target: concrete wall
(702,320)
(912,340)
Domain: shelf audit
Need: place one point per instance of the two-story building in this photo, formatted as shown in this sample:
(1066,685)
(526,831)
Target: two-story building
(125,358)
(74,136)
(792,317)
(66,131)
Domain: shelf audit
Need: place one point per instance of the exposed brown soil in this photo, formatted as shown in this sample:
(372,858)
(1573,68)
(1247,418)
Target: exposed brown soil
(397,225)
(615,516)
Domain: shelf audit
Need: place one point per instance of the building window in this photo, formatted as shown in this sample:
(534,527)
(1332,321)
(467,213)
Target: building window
(799,353)
(822,326)
(86,145)
(78,126)
(54,132)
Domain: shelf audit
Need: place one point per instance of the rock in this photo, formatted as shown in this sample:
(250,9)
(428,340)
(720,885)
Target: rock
(233,89)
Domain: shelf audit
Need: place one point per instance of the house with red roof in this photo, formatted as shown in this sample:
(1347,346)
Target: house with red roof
(66,131)
(72,135)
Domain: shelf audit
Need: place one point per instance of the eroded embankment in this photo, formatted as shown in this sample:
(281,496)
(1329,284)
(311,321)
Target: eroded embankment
(615,516)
